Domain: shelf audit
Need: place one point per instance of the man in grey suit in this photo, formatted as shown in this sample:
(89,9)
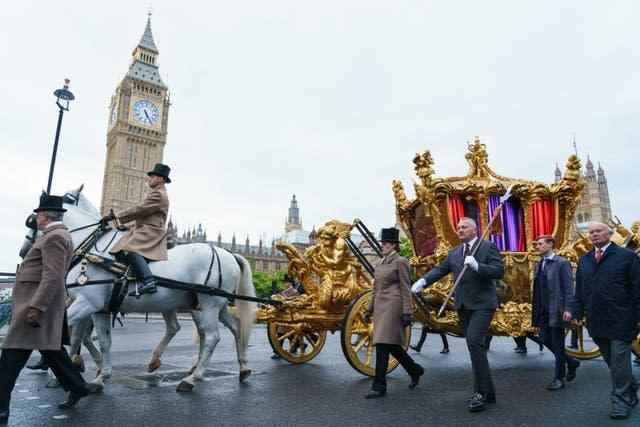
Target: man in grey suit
(552,293)
(475,300)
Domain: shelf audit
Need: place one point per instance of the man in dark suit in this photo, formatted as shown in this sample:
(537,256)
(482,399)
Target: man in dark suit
(608,292)
(552,293)
(39,320)
(475,300)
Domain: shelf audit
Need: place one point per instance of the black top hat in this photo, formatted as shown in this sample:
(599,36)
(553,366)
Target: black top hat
(50,203)
(391,235)
(161,170)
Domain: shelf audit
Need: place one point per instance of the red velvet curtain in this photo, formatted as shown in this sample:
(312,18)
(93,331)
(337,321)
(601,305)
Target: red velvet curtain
(456,210)
(543,217)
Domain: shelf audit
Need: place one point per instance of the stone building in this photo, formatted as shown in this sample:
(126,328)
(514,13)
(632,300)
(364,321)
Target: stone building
(264,256)
(595,204)
(137,129)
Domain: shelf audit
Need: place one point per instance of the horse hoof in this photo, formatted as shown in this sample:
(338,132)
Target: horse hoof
(154,365)
(244,374)
(184,387)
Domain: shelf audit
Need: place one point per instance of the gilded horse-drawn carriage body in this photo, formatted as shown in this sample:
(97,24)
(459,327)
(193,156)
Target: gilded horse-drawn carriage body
(533,209)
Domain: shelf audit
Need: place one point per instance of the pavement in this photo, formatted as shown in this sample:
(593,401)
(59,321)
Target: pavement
(323,392)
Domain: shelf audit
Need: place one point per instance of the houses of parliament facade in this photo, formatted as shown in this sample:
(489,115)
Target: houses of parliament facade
(137,134)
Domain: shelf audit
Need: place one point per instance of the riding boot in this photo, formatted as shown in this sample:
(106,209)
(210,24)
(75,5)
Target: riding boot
(143,273)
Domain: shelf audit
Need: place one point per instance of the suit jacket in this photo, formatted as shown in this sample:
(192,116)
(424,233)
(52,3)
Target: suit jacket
(560,285)
(148,236)
(391,299)
(40,283)
(477,289)
(608,293)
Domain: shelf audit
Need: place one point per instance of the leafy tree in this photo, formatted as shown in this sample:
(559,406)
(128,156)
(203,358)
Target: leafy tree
(406,250)
(263,282)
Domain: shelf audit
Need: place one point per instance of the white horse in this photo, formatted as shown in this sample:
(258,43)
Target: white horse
(187,263)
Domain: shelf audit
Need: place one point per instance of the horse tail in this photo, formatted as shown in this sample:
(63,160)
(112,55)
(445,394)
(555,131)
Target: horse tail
(246,309)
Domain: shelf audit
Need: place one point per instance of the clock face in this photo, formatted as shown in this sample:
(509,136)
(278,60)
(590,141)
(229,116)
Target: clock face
(146,112)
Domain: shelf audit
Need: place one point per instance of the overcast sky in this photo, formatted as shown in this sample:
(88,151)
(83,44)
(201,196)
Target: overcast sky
(328,100)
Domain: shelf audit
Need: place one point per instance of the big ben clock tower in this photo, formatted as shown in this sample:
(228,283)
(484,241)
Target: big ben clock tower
(137,129)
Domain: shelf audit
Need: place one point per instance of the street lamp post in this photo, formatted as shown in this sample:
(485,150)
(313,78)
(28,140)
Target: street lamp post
(63,97)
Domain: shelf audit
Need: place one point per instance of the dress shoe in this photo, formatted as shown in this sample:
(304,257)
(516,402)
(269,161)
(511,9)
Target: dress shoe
(571,373)
(40,365)
(4,417)
(477,403)
(445,350)
(414,348)
(520,350)
(415,379)
(275,356)
(374,394)
(72,400)
(556,384)
(620,413)
(488,398)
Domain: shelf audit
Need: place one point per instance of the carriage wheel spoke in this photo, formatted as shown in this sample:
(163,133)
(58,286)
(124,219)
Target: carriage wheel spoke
(369,355)
(287,335)
(359,345)
(314,343)
(581,339)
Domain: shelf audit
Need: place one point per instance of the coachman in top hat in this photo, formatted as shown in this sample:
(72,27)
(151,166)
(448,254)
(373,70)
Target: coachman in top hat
(147,240)
(392,312)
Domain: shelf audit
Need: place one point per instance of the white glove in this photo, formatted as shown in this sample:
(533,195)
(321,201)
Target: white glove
(471,262)
(418,286)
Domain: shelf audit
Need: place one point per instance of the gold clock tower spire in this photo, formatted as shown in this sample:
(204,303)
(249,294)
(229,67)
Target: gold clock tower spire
(137,129)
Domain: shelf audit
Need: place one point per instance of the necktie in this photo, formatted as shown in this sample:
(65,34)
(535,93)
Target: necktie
(467,250)
(599,255)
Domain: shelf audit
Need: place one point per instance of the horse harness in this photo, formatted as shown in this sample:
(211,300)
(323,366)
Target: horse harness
(121,271)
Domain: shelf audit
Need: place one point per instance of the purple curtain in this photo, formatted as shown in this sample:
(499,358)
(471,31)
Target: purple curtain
(512,218)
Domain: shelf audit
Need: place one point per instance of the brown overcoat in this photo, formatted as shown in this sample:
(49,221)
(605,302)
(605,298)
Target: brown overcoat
(148,237)
(40,283)
(391,299)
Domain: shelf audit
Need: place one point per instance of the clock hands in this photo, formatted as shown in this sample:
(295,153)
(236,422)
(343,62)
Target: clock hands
(147,114)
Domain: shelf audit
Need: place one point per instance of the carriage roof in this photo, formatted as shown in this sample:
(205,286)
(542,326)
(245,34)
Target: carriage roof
(533,210)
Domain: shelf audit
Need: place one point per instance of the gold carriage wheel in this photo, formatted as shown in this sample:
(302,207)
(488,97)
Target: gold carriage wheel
(356,338)
(586,350)
(295,342)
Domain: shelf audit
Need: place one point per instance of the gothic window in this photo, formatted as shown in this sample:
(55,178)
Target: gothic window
(133,155)
(131,189)
(146,162)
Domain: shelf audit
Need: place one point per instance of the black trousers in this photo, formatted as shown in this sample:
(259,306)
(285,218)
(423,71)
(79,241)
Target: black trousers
(382,363)
(13,360)
(423,337)
(553,339)
(476,327)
